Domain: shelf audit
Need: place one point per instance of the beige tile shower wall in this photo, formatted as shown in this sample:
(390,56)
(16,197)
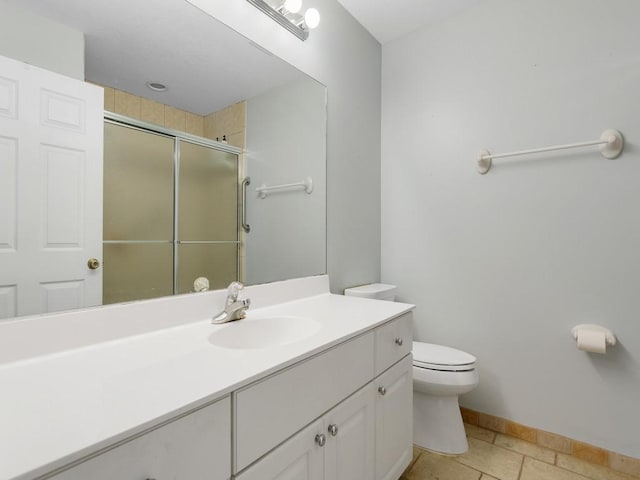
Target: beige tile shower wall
(124,103)
(231,122)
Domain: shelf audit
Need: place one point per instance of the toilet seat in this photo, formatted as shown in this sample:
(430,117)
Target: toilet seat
(441,358)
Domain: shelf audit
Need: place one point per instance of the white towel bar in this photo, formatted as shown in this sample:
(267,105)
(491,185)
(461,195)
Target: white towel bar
(611,144)
(307,184)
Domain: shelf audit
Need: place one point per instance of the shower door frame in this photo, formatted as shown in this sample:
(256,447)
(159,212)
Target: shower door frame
(177,135)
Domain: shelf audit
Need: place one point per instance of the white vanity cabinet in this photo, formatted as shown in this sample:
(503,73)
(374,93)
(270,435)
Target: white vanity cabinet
(344,413)
(195,446)
(366,435)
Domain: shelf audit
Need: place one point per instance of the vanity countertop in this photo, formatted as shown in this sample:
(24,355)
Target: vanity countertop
(59,407)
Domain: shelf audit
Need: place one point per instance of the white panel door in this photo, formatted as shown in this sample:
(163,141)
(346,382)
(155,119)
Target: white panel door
(394,420)
(51,130)
(350,430)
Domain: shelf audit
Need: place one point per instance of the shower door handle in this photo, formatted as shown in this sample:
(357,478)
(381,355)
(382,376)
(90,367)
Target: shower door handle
(245,226)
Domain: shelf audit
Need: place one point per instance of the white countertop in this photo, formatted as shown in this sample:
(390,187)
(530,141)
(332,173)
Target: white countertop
(59,407)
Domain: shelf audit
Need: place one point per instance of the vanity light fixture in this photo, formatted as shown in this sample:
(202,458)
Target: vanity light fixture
(286,13)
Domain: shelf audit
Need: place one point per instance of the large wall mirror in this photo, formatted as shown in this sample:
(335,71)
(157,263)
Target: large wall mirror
(230,111)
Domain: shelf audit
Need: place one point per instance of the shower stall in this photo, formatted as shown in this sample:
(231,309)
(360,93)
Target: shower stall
(170,211)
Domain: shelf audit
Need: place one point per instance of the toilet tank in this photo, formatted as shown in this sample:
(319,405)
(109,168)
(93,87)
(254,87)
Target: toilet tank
(378,291)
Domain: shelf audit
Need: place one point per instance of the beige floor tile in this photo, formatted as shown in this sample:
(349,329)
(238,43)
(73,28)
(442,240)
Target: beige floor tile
(589,470)
(431,466)
(496,461)
(625,464)
(469,416)
(536,470)
(416,453)
(590,453)
(554,442)
(480,433)
(487,477)
(526,448)
(521,431)
(490,422)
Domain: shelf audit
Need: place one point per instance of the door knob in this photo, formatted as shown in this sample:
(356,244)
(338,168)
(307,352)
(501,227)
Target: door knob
(93,263)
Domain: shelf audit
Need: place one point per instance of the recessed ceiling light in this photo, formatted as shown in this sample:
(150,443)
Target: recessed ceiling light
(157,86)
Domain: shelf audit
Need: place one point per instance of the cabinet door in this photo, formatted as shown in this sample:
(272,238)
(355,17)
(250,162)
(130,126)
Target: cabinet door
(194,447)
(394,420)
(299,458)
(350,430)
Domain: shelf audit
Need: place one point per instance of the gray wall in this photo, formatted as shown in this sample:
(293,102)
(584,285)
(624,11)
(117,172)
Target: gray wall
(41,42)
(341,54)
(503,265)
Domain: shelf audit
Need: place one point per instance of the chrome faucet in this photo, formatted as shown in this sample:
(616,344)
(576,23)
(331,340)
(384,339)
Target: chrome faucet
(235,307)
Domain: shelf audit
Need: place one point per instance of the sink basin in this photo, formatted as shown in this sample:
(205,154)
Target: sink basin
(266,332)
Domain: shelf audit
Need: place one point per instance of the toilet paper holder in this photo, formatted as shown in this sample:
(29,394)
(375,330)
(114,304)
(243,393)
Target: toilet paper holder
(610,338)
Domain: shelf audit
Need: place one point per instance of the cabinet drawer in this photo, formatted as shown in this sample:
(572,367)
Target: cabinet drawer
(270,411)
(195,446)
(394,340)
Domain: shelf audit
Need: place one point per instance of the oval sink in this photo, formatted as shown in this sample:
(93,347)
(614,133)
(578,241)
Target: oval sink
(253,333)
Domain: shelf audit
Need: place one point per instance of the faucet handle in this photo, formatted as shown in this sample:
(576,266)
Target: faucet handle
(233,291)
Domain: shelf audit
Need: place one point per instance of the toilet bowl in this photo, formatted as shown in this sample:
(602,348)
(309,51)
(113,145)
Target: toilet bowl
(440,375)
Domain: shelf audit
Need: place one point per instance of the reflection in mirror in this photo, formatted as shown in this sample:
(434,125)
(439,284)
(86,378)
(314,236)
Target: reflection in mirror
(223,92)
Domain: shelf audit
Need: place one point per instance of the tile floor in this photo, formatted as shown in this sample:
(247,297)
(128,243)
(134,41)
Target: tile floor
(494,456)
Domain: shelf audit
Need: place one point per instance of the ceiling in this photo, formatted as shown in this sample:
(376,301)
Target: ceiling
(205,65)
(391,19)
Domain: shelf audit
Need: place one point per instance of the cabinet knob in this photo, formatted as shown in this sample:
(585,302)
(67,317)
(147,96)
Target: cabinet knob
(399,341)
(333,429)
(382,390)
(321,439)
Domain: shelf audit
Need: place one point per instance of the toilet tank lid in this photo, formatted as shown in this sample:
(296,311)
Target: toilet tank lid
(440,355)
(372,290)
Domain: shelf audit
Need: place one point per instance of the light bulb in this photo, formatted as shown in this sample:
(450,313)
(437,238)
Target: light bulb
(293,6)
(312,18)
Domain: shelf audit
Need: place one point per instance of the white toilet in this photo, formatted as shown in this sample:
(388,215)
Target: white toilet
(440,375)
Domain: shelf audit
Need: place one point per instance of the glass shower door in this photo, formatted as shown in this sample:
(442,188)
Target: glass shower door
(138,214)
(207,216)
(170,214)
